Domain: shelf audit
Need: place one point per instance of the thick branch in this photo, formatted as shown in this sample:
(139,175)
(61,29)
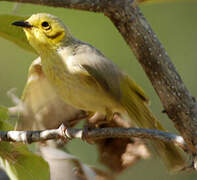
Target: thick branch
(128,19)
(178,103)
(90,5)
(93,134)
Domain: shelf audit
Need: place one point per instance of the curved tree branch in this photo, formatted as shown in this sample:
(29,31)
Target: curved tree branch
(178,103)
(93,134)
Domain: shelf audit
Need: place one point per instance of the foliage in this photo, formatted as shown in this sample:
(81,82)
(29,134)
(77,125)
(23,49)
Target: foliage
(15,158)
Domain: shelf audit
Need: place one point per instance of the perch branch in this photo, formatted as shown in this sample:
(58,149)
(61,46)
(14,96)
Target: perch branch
(178,103)
(93,134)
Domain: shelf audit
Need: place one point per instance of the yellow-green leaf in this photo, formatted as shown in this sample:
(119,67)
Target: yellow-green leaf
(13,33)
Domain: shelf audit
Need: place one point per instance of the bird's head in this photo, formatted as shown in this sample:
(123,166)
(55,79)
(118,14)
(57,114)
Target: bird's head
(44,31)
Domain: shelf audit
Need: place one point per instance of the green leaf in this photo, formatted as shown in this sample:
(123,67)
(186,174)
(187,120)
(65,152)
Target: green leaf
(3,117)
(15,158)
(13,33)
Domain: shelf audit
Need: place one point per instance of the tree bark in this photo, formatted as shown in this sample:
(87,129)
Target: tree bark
(178,103)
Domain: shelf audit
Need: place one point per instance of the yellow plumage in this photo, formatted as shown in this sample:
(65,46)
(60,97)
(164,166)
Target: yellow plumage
(86,79)
(42,106)
(136,105)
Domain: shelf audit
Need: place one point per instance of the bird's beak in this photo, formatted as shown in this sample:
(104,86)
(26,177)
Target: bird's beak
(23,24)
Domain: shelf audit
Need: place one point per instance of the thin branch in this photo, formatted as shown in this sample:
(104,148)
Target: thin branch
(178,103)
(93,134)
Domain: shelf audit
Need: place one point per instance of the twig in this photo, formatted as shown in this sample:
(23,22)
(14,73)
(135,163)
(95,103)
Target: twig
(178,103)
(93,134)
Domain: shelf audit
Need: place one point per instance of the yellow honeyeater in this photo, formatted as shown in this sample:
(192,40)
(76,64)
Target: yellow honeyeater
(84,78)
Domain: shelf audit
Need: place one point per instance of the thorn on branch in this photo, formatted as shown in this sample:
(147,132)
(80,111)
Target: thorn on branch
(193,98)
(164,111)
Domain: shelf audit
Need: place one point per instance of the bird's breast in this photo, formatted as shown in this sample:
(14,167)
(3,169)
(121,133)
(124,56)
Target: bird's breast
(80,91)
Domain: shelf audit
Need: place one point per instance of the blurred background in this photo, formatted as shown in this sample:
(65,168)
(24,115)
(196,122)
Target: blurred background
(176,27)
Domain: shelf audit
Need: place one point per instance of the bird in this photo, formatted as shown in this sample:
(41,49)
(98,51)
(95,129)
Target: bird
(84,78)
(41,107)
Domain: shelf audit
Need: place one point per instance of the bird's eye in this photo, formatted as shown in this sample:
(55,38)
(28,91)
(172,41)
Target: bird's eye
(45,24)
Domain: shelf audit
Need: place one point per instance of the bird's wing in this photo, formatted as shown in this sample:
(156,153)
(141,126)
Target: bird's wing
(91,63)
(135,88)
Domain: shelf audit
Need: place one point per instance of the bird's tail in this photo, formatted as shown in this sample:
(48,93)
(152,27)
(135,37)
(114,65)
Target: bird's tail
(135,103)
